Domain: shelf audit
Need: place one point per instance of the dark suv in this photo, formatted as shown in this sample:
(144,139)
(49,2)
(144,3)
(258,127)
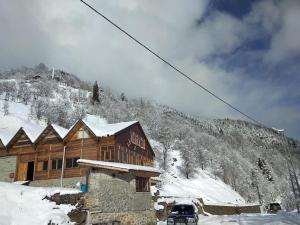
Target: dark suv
(273,207)
(183,214)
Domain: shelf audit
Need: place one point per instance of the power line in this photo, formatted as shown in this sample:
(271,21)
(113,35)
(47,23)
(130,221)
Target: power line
(171,65)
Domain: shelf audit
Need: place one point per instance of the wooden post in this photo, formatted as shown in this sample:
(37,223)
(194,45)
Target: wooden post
(62,167)
(35,166)
(49,160)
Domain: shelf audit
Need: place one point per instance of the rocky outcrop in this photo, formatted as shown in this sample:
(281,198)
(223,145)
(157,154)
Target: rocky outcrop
(77,215)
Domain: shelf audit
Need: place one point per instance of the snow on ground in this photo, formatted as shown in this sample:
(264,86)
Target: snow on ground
(202,185)
(23,205)
(250,219)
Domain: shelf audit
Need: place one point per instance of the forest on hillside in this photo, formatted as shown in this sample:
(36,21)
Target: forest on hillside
(255,161)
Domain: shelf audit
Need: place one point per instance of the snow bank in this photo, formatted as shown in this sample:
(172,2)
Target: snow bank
(22,205)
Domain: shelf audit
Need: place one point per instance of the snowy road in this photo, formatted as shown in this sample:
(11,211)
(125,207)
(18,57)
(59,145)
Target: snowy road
(250,219)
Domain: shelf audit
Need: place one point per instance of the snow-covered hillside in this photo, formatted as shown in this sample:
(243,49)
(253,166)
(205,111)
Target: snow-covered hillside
(17,118)
(203,185)
(220,153)
(22,205)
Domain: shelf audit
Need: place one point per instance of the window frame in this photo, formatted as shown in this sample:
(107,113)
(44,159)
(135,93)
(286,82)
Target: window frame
(45,163)
(142,184)
(73,162)
(58,165)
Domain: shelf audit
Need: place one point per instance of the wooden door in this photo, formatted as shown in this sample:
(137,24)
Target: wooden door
(22,171)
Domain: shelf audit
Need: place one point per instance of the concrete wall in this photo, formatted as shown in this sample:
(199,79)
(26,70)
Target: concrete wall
(204,209)
(67,182)
(7,166)
(112,196)
(230,210)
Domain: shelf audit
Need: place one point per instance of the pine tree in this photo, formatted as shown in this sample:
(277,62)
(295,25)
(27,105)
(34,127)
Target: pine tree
(123,98)
(95,97)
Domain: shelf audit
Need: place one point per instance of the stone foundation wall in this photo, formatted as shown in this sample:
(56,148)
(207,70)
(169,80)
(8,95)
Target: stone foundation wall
(115,192)
(7,166)
(67,182)
(112,200)
(125,218)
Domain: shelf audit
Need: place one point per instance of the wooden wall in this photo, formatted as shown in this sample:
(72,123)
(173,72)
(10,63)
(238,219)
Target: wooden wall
(136,154)
(80,143)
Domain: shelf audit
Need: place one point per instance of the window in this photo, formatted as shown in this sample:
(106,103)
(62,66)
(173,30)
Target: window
(117,153)
(103,152)
(142,143)
(45,166)
(72,162)
(56,164)
(142,184)
(134,157)
(112,152)
(137,140)
(107,153)
(82,133)
(134,137)
(125,154)
(121,153)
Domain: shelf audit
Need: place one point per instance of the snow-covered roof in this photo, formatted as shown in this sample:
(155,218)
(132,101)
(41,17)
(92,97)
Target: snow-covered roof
(62,132)
(103,130)
(33,134)
(6,135)
(115,166)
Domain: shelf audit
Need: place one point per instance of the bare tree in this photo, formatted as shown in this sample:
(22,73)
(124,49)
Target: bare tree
(5,108)
(165,137)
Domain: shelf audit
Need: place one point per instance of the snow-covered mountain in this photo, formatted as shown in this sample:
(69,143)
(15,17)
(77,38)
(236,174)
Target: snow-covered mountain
(205,158)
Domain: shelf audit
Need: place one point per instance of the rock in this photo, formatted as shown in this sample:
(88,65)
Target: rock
(78,216)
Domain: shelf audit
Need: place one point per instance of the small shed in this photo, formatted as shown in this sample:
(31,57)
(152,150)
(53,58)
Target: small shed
(119,193)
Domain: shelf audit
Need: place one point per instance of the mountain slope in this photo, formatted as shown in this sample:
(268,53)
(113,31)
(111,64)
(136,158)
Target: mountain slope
(174,184)
(229,150)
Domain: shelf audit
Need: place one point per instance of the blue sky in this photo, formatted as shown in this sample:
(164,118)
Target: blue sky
(247,52)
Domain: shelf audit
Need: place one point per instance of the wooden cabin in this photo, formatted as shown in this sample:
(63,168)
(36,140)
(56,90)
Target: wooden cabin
(54,153)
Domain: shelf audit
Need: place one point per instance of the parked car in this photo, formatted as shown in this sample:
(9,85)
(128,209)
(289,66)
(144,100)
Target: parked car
(273,207)
(183,214)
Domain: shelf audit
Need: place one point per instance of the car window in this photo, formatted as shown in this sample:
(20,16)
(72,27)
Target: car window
(183,209)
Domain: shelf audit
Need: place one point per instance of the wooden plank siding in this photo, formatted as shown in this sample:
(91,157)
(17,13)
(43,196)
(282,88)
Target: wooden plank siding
(136,154)
(80,142)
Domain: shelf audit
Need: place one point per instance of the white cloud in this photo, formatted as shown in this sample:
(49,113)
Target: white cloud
(280,20)
(68,35)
